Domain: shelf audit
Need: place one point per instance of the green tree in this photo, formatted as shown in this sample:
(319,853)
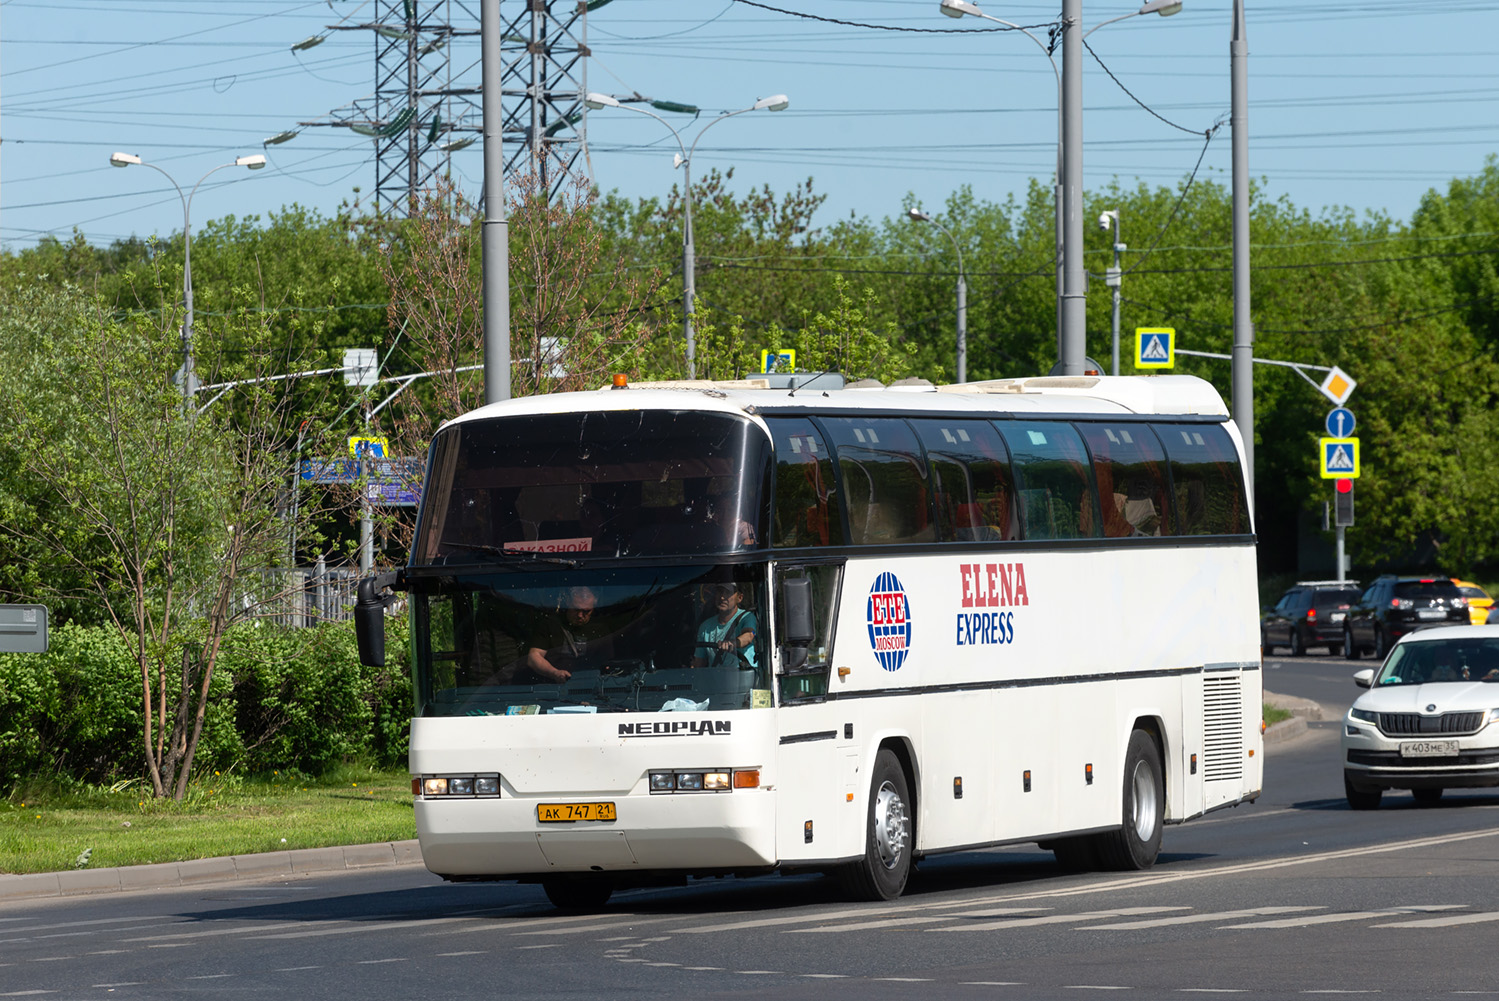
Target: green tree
(163,518)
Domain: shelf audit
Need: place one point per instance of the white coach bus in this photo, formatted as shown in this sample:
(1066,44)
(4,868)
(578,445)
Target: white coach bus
(695,630)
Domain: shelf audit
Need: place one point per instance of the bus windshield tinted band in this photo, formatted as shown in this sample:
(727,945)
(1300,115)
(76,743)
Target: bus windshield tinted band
(610,483)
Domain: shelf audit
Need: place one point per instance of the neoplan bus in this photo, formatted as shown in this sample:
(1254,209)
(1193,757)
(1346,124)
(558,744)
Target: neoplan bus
(661,633)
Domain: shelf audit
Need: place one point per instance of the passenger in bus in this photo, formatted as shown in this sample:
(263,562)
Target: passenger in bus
(727,638)
(559,641)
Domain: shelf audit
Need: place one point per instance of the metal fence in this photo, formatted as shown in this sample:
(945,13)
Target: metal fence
(300,597)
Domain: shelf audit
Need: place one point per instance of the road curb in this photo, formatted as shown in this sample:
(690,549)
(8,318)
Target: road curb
(1304,710)
(173,875)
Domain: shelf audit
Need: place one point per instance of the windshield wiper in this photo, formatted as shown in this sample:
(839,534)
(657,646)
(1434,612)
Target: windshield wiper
(517,555)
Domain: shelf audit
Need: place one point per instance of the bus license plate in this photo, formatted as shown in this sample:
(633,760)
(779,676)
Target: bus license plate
(1429,749)
(565,813)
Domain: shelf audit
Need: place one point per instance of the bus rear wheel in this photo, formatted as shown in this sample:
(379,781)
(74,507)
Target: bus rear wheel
(882,873)
(580,894)
(1138,842)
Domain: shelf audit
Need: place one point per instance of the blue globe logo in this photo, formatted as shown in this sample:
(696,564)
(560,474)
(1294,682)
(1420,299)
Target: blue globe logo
(888,614)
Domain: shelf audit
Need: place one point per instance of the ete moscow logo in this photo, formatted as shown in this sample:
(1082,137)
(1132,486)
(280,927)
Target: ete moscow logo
(888,615)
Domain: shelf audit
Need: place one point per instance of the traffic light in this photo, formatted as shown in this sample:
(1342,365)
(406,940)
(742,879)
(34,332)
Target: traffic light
(1343,503)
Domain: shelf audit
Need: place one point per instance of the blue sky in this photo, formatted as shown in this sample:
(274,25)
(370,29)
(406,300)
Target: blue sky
(1361,104)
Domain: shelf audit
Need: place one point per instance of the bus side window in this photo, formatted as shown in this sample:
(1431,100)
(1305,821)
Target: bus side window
(1052,480)
(806,508)
(1206,479)
(884,480)
(1130,469)
(971,483)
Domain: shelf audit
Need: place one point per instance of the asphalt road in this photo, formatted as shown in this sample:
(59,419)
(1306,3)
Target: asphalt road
(1294,894)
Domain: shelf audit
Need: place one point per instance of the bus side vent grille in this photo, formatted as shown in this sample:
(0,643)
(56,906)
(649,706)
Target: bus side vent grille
(1222,727)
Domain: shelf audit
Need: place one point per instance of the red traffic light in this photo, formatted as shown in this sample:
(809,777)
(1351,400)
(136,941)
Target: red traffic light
(1343,485)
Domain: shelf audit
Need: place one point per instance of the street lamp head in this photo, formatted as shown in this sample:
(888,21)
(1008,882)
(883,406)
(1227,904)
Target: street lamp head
(918,216)
(958,8)
(280,137)
(597,101)
(254,161)
(775,102)
(1165,8)
(123,159)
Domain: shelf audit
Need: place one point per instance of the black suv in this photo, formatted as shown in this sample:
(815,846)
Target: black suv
(1309,614)
(1394,606)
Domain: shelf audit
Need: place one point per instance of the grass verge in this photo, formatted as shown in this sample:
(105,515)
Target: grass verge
(1274,715)
(49,828)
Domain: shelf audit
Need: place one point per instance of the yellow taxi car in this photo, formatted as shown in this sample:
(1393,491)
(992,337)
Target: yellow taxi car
(1479,602)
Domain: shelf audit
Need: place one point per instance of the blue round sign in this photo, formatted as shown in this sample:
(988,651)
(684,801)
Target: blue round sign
(1340,422)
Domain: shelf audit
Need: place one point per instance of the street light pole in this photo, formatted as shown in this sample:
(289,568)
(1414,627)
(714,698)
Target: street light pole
(962,342)
(776,102)
(1072,292)
(253,162)
(1242,369)
(494,233)
(1109,222)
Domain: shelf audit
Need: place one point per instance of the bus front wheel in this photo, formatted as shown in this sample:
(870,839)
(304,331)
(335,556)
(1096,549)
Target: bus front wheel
(580,894)
(1138,842)
(882,873)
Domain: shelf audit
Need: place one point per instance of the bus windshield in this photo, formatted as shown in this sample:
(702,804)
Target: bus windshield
(626,638)
(603,483)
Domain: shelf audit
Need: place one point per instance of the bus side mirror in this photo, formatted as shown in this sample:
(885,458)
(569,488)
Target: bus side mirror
(369,618)
(796,597)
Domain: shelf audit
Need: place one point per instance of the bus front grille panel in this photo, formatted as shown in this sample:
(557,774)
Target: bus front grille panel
(1223,727)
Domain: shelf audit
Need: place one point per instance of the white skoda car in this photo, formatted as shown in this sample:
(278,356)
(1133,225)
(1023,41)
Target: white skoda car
(1430,720)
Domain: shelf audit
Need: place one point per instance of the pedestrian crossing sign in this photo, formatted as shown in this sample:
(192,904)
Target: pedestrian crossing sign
(368,448)
(1155,347)
(783,360)
(1339,458)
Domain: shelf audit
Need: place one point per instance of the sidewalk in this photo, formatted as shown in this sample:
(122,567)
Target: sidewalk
(168,875)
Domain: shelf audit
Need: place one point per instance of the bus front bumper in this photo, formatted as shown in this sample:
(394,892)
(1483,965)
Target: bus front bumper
(657,833)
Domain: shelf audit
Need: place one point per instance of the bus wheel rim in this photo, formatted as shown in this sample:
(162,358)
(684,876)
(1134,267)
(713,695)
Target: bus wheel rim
(889,825)
(1144,797)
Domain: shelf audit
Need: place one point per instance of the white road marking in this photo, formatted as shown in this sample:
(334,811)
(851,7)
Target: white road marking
(49,959)
(364,927)
(238,930)
(374,962)
(864,925)
(904,980)
(716,969)
(476,952)
(1056,919)
(22,994)
(758,973)
(211,976)
(123,983)
(1188,919)
(992,983)
(549,945)
(613,925)
(1212,990)
(858,912)
(294,969)
(109,952)
(1446,921)
(1155,879)
(1096,987)
(1343,916)
(824,976)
